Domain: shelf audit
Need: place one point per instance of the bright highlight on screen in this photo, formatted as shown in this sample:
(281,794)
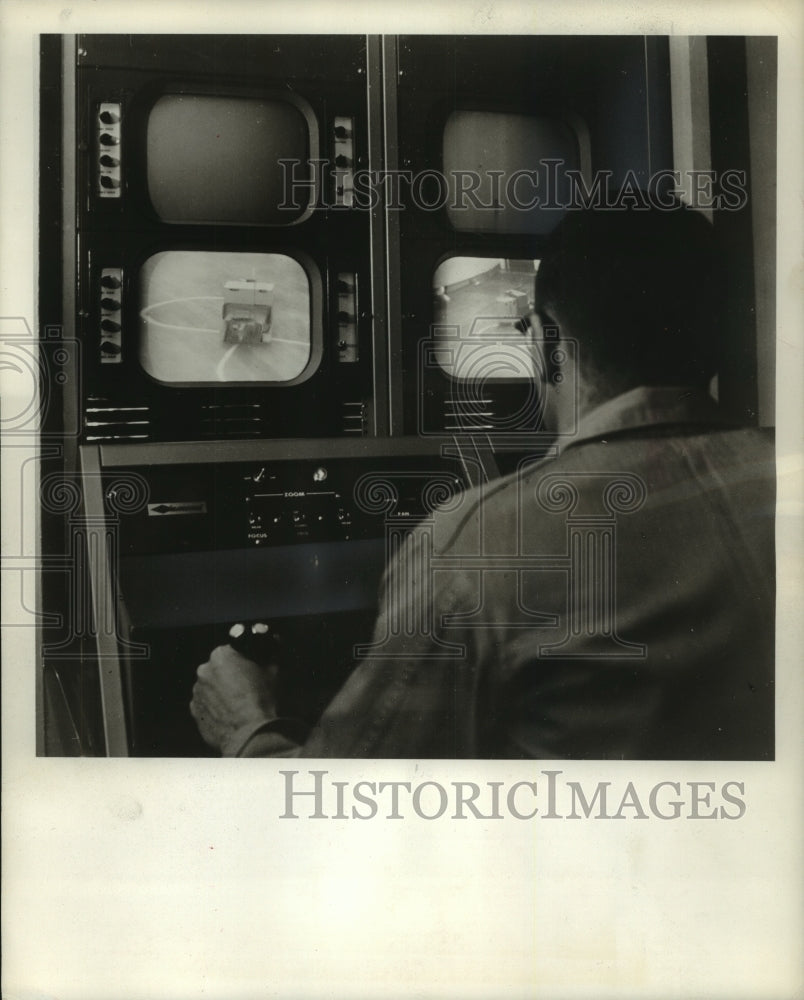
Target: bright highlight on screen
(479,305)
(499,149)
(208,317)
(216,159)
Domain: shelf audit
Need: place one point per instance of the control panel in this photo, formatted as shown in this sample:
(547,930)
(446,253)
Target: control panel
(192,508)
(307,510)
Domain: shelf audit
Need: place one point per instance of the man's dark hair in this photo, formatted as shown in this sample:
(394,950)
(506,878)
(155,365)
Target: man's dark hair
(640,289)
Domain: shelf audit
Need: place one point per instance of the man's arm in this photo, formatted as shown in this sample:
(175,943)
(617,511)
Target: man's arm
(234,704)
(415,696)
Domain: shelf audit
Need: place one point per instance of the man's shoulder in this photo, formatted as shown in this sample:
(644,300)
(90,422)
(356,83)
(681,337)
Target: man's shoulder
(492,510)
(664,454)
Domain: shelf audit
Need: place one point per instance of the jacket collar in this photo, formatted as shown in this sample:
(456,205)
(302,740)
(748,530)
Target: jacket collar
(649,406)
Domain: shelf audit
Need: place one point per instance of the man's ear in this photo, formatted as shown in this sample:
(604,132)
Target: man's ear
(546,338)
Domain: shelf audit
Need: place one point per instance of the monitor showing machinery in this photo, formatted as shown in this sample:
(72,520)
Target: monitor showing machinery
(219,317)
(480,311)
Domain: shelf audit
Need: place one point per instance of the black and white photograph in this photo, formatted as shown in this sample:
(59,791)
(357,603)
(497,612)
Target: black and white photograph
(398,453)
(419,411)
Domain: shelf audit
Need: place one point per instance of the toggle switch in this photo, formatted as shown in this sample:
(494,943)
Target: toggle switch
(344,158)
(347,342)
(111,333)
(109,135)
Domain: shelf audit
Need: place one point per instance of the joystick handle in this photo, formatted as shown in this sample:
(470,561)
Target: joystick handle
(256,641)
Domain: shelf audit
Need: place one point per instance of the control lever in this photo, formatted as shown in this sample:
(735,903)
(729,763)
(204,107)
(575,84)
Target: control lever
(256,641)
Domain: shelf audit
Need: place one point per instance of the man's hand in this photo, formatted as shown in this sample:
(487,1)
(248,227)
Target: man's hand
(231,697)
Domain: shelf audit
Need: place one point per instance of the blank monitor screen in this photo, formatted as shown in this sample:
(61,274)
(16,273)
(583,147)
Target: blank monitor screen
(208,317)
(498,149)
(478,305)
(216,159)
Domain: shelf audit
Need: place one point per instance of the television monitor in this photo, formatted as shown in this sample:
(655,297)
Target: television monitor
(214,159)
(209,317)
(480,310)
(488,159)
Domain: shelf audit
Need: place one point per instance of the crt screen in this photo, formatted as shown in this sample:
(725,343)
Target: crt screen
(491,152)
(478,306)
(215,159)
(208,317)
